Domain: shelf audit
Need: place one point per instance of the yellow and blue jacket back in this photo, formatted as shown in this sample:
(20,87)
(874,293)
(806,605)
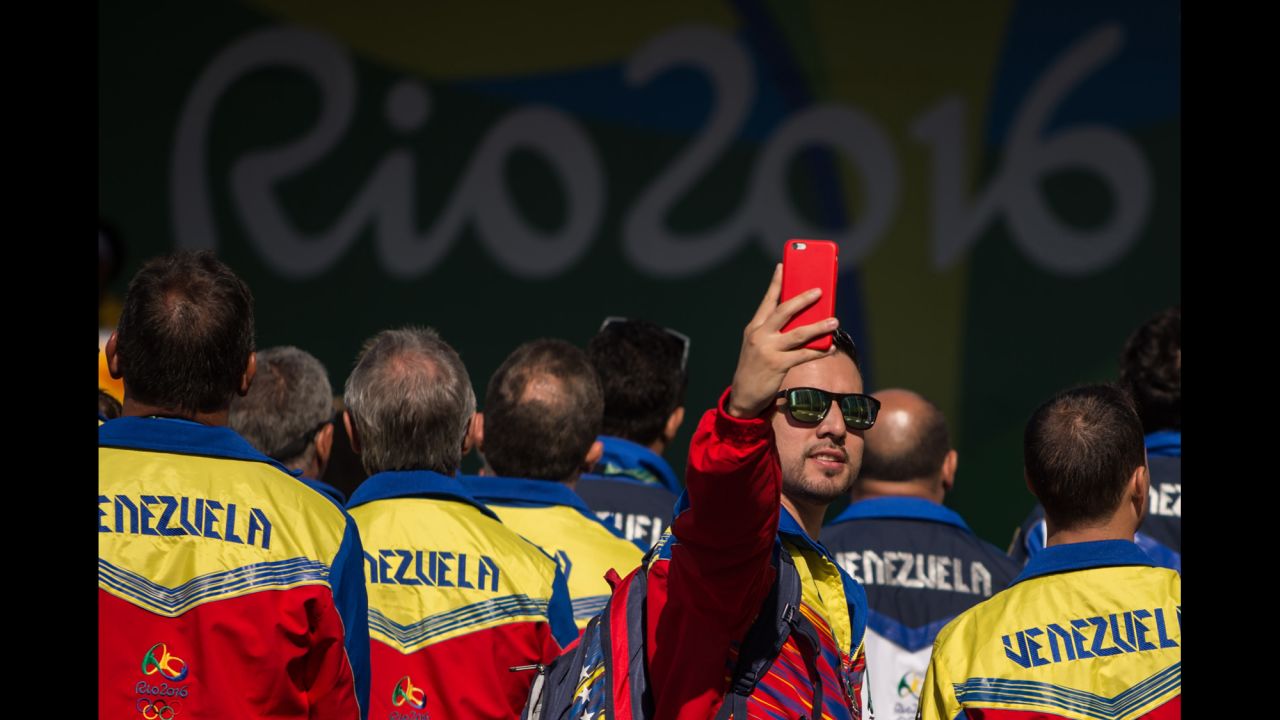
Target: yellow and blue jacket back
(226,587)
(455,601)
(553,517)
(1088,631)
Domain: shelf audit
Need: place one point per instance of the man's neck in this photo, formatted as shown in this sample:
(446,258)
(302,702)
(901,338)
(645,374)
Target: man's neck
(809,516)
(1114,530)
(134,408)
(924,490)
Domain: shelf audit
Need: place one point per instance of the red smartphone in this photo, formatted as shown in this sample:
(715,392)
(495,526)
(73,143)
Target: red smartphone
(808,264)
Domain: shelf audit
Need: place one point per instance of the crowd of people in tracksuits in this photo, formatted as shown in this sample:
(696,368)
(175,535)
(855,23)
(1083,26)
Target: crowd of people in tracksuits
(269,548)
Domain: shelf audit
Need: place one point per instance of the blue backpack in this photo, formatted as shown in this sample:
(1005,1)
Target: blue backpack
(605,675)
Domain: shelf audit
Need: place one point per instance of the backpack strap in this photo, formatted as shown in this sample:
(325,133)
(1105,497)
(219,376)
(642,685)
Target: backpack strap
(623,623)
(552,691)
(778,619)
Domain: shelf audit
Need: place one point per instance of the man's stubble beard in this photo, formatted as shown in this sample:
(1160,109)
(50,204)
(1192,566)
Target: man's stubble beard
(799,487)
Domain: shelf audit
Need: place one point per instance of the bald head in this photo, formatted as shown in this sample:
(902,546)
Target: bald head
(908,452)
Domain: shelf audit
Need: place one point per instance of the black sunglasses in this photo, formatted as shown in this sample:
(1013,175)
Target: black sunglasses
(810,405)
(684,339)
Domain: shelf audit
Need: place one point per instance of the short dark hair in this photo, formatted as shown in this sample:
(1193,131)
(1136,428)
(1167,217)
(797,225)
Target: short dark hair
(1151,370)
(542,430)
(919,457)
(639,364)
(845,344)
(1080,449)
(185,333)
(411,402)
(290,401)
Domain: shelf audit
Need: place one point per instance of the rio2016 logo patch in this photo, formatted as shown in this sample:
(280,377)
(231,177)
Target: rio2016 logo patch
(406,694)
(158,660)
(160,702)
(910,685)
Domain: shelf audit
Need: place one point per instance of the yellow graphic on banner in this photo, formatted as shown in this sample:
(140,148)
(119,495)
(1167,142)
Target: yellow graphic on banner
(469,40)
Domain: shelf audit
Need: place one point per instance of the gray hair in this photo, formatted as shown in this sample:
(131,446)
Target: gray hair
(288,401)
(411,402)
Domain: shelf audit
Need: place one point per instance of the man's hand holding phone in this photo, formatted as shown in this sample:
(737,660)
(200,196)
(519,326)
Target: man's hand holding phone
(768,353)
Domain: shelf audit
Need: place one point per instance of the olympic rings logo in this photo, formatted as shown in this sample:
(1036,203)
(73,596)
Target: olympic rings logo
(405,692)
(157,709)
(163,663)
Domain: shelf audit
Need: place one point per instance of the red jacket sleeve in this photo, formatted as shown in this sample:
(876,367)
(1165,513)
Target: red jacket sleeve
(707,595)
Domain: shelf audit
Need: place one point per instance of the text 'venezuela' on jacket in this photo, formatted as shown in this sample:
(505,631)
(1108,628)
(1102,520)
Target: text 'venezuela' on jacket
(920,565)
(706,588)
(226,587)
(553,517)
(456,600)
(1160,535)
(1087,630)
(633,489)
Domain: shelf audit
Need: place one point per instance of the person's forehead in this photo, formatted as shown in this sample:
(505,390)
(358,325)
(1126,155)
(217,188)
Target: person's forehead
(834,373)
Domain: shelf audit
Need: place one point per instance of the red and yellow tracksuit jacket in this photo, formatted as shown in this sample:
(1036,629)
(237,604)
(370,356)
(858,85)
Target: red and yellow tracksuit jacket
(456,600)
(706,588)
(1088,631)
(226,587)
(553,517)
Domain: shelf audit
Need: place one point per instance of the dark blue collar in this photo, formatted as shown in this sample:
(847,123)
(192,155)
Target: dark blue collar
(416,484)
(1167,443)
(907,508)
(183,437)
(626,460)
(326,489)
(521,492)
(790,528)
(1082,556)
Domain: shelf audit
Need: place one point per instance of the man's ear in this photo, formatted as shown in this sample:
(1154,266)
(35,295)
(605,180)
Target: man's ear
(249,371)
(674,421)
(475,434)
(949,464)
(594,453)
(113,361)
(1139,487)
(324,446)
(352,435)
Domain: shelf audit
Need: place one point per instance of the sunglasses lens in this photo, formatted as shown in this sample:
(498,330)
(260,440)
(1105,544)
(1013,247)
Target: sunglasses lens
(859,411)
(808,405)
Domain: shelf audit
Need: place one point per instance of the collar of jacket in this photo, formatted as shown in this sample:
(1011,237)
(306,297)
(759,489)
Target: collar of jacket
(788,528)
(522,492)
(906,508)
(1166,443)
(1082,556)
(414,484)
(181,437)
(854,594)
(633,462)
(325,489)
